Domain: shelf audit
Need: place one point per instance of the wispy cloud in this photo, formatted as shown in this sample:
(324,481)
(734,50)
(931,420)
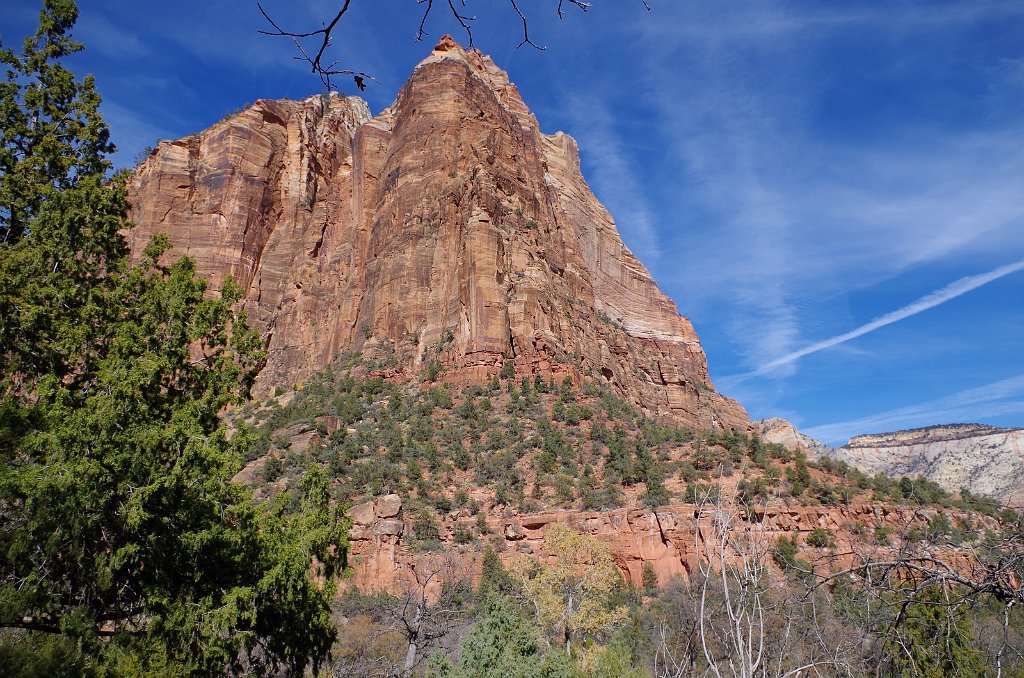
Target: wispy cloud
(100,34)
(614,178)
(931,300)
(1002,397)
(789,203)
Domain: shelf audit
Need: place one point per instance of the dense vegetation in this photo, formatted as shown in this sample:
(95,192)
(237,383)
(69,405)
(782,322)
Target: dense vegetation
(525,620)
(530,444)
(124,546)
(459,456)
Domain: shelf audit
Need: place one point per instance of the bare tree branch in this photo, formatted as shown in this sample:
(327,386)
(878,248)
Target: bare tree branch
(315,62)
(322,37)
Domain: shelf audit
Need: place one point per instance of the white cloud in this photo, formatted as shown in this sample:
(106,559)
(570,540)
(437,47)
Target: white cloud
(794,219)
(608,167)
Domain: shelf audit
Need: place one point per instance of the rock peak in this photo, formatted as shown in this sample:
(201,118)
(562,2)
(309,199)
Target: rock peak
(447,231)
(447,44)
(479,68)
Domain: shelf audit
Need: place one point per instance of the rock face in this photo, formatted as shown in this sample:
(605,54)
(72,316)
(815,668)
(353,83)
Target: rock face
(987,460)
(781,432)
(447,228)
(672,541)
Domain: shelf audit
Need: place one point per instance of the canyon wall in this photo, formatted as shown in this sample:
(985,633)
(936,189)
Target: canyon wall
(671,541)
(986,460)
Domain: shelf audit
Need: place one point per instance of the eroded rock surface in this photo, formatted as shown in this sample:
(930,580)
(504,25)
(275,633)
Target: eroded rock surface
(986,460)
(672,541)
(446,228)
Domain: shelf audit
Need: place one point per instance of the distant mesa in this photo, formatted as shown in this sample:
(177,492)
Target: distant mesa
(986,460)
(446,230)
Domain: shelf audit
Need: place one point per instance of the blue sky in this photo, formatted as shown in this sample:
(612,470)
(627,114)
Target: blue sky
(832,192)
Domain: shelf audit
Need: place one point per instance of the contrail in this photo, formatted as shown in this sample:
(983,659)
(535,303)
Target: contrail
(940,296)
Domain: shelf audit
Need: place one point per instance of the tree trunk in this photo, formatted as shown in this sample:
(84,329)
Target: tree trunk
(410,657)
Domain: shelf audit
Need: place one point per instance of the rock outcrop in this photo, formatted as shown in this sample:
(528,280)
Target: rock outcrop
(986,460)
(781,432)
(447,228)
(672,541)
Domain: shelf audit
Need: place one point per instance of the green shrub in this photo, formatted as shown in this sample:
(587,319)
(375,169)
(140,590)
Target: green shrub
(883,535)
(508,370)
(820,538)
(650,578)
(272,469)
(687,472)
(939,527)
(425,530)
(785,552)
(462,534)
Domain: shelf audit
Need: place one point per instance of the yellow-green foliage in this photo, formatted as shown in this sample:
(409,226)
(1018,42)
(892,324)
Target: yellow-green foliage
(576,596)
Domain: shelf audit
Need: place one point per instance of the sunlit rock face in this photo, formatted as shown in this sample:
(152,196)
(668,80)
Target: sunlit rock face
(985,460)
(670,542)
(447,228)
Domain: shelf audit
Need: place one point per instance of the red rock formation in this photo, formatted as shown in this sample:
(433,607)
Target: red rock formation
(673,539)
(447,227)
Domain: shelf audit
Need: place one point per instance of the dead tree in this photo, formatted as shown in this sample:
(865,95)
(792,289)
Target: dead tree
(893,581)
(740,617)
(312,45)
(391,635)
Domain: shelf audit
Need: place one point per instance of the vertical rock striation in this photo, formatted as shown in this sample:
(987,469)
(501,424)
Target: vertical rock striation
(446,228)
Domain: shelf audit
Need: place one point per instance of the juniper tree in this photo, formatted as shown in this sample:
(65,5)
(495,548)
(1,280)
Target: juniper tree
(121,534)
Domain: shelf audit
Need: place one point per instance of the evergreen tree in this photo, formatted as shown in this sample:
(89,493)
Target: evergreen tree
(122,537)
(504,645)
(54,137)
(931,638)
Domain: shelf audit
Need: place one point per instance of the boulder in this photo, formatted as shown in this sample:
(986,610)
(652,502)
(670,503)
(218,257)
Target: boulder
(514,532)
(393,528)
(362,514)
(388,506)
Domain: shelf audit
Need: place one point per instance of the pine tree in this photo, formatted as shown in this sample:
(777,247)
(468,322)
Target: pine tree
(121,534)
(931,638)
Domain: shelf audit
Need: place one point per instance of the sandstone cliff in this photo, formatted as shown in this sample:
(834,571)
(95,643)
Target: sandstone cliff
(447,228)
(671,541)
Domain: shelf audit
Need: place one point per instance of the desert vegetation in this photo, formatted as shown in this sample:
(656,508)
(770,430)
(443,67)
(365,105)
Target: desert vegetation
(512,446)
